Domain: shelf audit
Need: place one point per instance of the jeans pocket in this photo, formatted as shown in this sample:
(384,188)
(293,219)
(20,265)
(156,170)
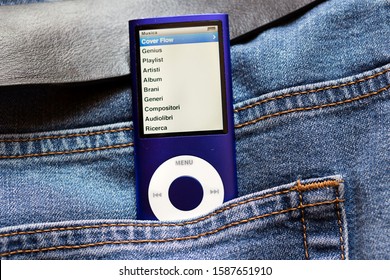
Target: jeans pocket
(300,220)
(316,130)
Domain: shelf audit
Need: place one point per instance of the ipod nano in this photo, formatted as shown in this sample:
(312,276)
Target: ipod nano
(183,116)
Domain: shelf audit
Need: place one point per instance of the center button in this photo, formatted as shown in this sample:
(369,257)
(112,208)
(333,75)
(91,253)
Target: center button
(185,193)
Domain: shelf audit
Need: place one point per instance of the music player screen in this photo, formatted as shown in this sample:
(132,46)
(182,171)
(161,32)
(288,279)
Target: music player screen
(180,78)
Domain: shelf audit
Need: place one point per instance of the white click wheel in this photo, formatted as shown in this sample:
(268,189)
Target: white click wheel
(184,187)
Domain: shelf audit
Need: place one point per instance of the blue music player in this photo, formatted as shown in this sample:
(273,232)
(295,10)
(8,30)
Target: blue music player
(183,115)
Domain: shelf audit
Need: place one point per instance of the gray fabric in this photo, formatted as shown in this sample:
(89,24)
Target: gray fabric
(80,40)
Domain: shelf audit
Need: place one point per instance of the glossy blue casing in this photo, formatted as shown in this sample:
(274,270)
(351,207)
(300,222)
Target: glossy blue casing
(151,152)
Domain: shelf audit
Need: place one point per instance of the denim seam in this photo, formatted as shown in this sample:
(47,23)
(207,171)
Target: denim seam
(301,187)
(311,91)
(129,128)
(303,221)
(70,151)
(340,226)
(366,95)
(93,133)
(191,237)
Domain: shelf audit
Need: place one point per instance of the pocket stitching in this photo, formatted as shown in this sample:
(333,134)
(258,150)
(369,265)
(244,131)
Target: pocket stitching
(92,133)
(70,151)
(122,242)
(340,226)
(366,95)
(298,187)
(311,91)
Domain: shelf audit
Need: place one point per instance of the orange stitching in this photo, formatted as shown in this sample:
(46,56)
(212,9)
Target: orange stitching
(191,237)
(65,135)
(340,227)
(299,188)
(312,107)
(309,91)
(230,206)
(69,152)
(315,185)
(219,211)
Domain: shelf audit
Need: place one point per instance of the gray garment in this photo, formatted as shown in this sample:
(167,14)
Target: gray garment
(81,40)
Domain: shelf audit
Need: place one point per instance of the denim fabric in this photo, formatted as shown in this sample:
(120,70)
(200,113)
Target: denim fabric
(312,129)
(271,222)
(18,2)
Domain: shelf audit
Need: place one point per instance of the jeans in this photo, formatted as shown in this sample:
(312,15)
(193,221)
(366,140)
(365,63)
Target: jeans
(312,129)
